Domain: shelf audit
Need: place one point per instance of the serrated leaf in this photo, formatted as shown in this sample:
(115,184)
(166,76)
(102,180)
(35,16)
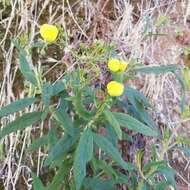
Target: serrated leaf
(113,122)
(37,184)
(21,123)
(16,106)
(155,69)
(83,155)
(61,147)
(131,123)
(97,184)
(113,152)
(25,68)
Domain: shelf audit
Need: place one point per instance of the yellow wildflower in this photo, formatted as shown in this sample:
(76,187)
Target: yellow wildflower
(49,32)
(114,65)
(115,88)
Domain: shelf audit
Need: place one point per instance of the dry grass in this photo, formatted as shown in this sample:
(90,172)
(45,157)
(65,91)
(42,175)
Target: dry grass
(119,21)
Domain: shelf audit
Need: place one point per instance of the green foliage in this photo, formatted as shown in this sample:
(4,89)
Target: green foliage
(83,158)
(84,154)
(16,106)
(131,123)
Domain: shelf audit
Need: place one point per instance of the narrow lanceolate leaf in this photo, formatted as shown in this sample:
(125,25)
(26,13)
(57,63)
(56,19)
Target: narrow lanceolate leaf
(58,179)
(83,155)
(113,122)
(47,91)
(38,143)
(61,147)
(135,125)
(97,184)
(113,152)
(37,184)
(65,121)
(25,68)
(21,123)
(58,87)
(16,106)
(155,69)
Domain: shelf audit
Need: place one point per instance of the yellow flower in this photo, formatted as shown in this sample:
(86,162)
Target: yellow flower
(114,65)
(49,32)
(115,88)
(123,66)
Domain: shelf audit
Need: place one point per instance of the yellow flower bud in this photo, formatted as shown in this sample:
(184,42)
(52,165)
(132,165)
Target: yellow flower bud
(115,88)
(123,66)
(49,32)
(114,65)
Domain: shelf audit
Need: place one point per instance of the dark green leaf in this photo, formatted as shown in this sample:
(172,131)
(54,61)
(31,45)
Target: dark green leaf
(21,123)
(134,125)
(37,184)
(113,122)
(169,175)
(16,106)
(58,180)
(155,69)
(47,92)
(84,154)
(62,146)
(113,152)
(111,135)
(25,68)
(39,142)
(154,165)
(65,121)
(98,184)
(58,87)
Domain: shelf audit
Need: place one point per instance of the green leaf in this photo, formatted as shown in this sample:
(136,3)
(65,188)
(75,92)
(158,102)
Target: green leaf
(16,106)
(113,152)
(83,155)
(169,175)
(61,147)
(139,101)
(162,185)
(97,184)
(113,122)
(37,184)
(80,108)
(135,125)
(58,180)
(47,92)
(155,69)
(106,167)
(111,135)
(39,142)
(154,165)
(132,94)
(58,87)
(25,68)
(21,123)
(65,121)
